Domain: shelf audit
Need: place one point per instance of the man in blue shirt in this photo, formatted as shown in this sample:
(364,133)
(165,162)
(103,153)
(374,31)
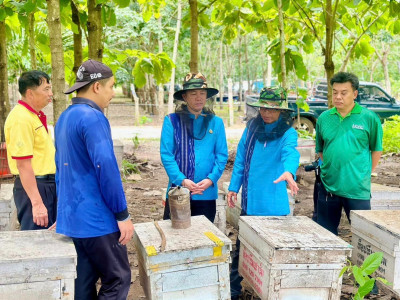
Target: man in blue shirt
(193,146)
(92,207)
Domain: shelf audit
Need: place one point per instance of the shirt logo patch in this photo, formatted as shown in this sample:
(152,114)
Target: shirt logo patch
(355,126)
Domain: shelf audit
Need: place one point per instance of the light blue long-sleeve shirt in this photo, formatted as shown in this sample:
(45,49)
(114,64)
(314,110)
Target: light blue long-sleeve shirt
(211,155)
(269,161)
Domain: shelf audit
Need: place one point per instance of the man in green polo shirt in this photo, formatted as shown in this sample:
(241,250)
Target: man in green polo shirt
(349,142)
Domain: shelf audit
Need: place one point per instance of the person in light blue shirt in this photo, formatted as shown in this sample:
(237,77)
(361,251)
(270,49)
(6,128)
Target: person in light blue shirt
(266,162)
(193,147)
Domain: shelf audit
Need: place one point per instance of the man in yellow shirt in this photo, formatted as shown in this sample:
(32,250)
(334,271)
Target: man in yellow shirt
(30,153)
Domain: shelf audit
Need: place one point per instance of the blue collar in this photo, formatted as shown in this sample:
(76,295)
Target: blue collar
(80,100)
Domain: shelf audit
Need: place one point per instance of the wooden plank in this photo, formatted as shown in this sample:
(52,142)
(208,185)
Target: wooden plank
(298,232)
(180,239)
(188,279)
(56,289)
(390,266)
(34,244)
(386,220)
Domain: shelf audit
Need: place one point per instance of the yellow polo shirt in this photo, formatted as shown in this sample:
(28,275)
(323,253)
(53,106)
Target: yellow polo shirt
(27,137)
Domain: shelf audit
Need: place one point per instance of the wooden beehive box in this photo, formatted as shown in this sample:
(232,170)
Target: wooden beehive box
(233,214)
(378,231)
(194,264)
(384,197)
(291,258)
(36,265)
(8,211)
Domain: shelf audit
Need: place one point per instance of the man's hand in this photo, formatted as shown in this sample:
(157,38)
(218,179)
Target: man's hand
(231,198)
(288,177)
(126,229)
(28,180)
(39,212)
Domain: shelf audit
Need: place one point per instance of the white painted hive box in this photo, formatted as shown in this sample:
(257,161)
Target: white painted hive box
(194,264)
(384,197)
(378,231)
(233,214)
(289,258)
(36,265)
(8,211)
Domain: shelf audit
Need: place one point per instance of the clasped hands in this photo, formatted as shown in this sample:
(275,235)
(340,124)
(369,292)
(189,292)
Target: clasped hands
(197,188)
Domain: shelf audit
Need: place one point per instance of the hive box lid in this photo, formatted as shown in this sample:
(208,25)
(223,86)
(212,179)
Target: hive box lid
(383,226)
(274,237)
(183,246)
(35,255)
(34,245)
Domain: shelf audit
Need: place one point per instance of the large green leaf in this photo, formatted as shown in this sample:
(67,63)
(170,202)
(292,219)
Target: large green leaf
(372,262)
(29,6)
(122,3)
(138,74)
(358,275)
(396,27)
(3,15)
(366,288)
(9,11)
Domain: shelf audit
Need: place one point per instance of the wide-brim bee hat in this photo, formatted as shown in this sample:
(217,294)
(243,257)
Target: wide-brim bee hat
(195,81)
(273,98)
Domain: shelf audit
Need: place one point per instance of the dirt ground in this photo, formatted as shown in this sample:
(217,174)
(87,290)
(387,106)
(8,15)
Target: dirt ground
(145,204)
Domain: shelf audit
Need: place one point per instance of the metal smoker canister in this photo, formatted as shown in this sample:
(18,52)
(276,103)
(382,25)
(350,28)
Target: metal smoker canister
(179,206)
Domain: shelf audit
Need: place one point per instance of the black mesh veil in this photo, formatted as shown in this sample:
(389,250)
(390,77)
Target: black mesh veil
(274,131)
(208,113)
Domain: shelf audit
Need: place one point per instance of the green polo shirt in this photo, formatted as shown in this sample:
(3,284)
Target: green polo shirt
(346,144)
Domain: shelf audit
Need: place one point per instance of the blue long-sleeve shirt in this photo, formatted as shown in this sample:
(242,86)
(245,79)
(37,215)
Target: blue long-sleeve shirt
(211,155)
(90,194)
(269,161)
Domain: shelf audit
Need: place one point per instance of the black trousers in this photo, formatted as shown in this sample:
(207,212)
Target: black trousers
(47,190)
(207,208)
(329,208)
(235,277)
(105,258)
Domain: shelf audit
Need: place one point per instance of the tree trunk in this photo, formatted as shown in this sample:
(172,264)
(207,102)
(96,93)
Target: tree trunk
(230,102)
(221,76)
(194,36)
(174,54)
(330,31)
(95,31)
(283,45)
(57,58)
(372,70)
(4,100)
(78,56)
(240,72)
(246,59)
(384,61)
(269,71)
(31,34)
(160,94)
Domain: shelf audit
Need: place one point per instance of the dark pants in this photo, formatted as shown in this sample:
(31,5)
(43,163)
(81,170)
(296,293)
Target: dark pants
(105,258)
(329,208)
(235,278)
(207,208)
(47,190)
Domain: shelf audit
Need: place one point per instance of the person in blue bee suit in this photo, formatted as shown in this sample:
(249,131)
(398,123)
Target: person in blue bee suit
(266,161)
(193,146)
(92,208)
